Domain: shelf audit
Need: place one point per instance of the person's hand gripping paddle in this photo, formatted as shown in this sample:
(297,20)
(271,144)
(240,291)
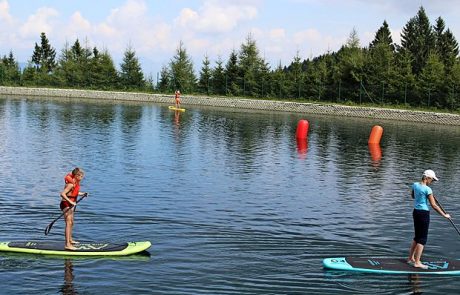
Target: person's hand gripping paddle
(48,228)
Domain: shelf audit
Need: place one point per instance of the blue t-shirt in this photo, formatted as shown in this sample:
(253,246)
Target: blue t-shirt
(421,193)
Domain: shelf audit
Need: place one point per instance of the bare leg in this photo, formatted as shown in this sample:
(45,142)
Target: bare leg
(418,255)
(411,258)
(68,229)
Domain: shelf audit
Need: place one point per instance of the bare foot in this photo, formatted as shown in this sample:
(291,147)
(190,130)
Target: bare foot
(70,248)
(411,262)
(421,265)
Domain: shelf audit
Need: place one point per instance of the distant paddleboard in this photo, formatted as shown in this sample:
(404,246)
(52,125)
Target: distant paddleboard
(173,108)
(392,265)
(82,249)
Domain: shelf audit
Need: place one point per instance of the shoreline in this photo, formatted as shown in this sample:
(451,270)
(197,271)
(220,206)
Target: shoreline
(243,103)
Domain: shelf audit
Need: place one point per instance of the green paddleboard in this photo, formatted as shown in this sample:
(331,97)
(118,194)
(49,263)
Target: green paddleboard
(82,249)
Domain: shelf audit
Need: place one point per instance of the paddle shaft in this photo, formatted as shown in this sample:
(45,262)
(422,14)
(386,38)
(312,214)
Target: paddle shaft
(442,209)
(48,228)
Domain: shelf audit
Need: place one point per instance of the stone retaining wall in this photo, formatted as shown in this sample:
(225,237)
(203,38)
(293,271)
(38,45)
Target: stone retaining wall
(255,104)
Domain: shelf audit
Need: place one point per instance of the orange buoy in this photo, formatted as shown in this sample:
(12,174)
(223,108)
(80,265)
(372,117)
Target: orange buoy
(375,151)
(302,129)
(376,135)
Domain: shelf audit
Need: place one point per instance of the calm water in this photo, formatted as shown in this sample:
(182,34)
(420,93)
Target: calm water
(231,203)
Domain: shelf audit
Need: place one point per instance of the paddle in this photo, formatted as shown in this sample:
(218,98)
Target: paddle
(450,219)
(48,228)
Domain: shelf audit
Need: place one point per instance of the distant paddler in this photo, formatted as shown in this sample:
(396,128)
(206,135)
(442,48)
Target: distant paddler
(177,96)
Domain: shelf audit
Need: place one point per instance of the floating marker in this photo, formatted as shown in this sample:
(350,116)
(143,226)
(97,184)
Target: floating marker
(302,147)
(376,135)
(302,129)
(375,151)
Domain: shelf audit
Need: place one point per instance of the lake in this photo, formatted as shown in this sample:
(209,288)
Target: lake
(231,202)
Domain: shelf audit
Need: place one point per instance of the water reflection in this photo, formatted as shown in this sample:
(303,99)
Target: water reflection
(302,147)
(68,287)
(376,154)
(177,118)
(219,190)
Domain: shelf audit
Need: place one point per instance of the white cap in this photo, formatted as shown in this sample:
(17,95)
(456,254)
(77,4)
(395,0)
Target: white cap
(430,174)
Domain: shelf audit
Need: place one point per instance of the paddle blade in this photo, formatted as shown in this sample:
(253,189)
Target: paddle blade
(48,228)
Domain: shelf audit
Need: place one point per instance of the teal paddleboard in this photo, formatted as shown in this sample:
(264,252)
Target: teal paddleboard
(392,265)
(82,249)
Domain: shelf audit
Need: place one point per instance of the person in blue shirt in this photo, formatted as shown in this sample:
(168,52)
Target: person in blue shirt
(423,199)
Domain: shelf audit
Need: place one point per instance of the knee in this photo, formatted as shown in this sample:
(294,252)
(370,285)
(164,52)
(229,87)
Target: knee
(421,241)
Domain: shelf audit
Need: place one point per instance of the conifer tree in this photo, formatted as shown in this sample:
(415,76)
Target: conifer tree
(383,36)
(417,37)
(44,55)
(250,66)
(165,84)
(232,74)
(445,43)
(131,76)
(218,78)
(181,69)
(205,76)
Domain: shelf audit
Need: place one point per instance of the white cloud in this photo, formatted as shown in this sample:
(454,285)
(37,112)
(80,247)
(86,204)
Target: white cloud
(41,21)
(78,26)
(277,34)
(216,17)
(5,12)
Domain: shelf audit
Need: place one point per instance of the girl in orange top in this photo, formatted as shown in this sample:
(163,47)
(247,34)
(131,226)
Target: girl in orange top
(69,199)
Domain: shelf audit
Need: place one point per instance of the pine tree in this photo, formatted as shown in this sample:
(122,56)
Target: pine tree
(205,76)
(417,37)
(232,74)
(383,36)
(352,58)
(47,55)
(380,64)
(445,43)
(37,56)
(431,81)
(405,78)
(181,69)
(10,73)
(165,84)
(131,76)
(103,72)
(279,82)
(218,78)
(295,77)
(249,65)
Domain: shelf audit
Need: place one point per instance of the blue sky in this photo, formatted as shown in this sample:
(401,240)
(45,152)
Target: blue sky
(208,27)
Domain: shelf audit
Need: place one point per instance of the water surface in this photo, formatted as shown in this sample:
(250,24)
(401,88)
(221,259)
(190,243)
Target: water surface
(230,201)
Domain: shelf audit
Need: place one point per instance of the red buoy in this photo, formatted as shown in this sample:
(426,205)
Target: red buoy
(302,129)
(302,147)
(376,135)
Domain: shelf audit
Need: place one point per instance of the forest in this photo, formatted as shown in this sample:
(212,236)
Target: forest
(421,72)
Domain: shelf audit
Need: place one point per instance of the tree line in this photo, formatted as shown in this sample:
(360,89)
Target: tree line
(422,71)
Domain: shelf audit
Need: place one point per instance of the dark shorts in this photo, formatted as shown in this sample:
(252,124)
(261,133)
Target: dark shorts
(421,224)
(65,204)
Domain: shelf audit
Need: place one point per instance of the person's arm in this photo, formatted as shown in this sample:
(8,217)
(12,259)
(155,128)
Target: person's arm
(64,193)
(435,206)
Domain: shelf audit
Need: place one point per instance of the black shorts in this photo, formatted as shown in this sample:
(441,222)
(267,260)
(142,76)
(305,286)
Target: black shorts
(421,225)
